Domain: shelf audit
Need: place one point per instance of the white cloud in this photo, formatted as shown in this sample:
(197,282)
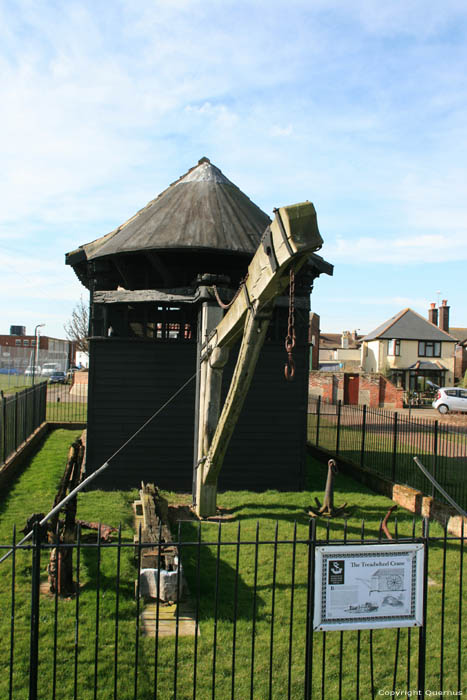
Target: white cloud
(281,130)
(360,107)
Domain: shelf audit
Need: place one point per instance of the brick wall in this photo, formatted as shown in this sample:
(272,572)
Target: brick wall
(460,361)
(314,341)
(374,389)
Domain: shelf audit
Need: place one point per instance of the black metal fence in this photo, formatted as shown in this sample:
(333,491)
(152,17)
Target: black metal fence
(385,442)
(21,414)
(67,403)
(243,627)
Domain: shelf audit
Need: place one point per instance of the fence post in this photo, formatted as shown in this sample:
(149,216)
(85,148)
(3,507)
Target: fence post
(34,392)
(435,457)
(24,407)
(339,407)
(318,408)
(16,421)
(394,448)
(4,455)
(310,608)
(422,632)
(362,450)
(35,590)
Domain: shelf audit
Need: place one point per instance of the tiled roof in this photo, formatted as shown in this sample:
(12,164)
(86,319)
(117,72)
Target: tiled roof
(460,334)
(408,325)
(332,341)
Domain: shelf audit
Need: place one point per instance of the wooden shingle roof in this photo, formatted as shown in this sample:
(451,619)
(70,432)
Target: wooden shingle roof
(202,210)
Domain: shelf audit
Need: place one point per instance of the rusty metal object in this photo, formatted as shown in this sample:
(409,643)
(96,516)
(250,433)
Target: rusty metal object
(384,524)
(327,509)
(289,368)
(105,530)
(60,568)
(227,305)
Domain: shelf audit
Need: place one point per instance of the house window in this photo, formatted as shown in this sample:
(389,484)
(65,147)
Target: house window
(17,342)
(429,348)
(394,347)
(33,342)
(25,342)
(398,379)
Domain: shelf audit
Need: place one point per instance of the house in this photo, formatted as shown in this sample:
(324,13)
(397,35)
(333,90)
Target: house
(460,334)
(412,351)
(152,305)
(339,351)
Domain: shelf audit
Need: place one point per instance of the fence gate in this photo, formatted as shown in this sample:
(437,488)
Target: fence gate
(261,613)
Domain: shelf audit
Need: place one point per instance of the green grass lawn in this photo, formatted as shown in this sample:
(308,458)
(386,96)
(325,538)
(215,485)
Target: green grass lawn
(12,383)
(255,514)
(69,411)
(449,468)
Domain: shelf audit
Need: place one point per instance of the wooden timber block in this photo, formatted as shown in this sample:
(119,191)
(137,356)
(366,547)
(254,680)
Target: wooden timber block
(149,559)
(165,623)
(137,516)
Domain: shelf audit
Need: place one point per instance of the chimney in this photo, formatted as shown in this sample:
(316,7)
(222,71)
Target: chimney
(444,316)
(313,339)
(345,339)
(433,314)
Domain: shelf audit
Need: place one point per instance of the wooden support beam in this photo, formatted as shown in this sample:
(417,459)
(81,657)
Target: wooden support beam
(215,447)
(292,236)
(124,271)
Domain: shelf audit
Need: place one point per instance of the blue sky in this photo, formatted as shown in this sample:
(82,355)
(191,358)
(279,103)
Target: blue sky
(359,106)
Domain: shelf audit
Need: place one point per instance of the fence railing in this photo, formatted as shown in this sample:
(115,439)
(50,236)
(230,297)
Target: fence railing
(243,627)
(20,415)
(385,442)
(67,403)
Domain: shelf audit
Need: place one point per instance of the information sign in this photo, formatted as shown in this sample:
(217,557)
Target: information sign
(368,586)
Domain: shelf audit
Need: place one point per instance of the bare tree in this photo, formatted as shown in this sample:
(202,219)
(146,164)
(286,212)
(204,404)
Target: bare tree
(76,328)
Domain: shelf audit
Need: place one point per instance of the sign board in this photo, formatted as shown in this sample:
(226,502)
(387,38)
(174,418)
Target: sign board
(368,586)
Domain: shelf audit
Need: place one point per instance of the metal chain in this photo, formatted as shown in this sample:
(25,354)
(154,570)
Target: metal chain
(289,368)
(229,304)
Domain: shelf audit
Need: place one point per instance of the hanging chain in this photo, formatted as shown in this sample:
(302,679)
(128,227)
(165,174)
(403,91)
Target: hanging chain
(289,368)
(229,304)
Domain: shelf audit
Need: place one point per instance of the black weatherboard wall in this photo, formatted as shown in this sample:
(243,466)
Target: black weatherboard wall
(130,378)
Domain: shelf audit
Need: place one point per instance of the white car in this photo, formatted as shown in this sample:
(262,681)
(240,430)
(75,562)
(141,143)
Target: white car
(29,371)
(450,399)
(49,368)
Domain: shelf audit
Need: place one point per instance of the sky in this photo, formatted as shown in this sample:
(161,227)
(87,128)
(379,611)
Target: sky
(359,106)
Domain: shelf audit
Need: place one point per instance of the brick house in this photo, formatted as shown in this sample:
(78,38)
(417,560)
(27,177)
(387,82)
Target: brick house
(412,351)
(18,350)
(460,366)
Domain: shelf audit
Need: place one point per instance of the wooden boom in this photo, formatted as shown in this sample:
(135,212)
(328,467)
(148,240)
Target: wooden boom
(285,245)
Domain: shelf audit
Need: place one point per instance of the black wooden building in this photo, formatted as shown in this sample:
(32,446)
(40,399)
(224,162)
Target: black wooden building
(148,280)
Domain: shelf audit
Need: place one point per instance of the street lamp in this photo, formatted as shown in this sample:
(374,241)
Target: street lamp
(36,350)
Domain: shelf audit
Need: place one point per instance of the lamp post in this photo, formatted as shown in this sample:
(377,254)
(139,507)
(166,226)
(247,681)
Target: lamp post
(36,350)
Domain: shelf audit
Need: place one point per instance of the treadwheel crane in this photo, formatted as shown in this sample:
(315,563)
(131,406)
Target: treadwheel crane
(286,244)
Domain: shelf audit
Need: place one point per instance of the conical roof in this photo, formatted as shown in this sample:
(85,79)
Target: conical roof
(201,210)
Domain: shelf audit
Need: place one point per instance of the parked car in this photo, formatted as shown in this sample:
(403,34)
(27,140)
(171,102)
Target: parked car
(58,378)
(450,399)
(29,371)
(71,371)
(49,368)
